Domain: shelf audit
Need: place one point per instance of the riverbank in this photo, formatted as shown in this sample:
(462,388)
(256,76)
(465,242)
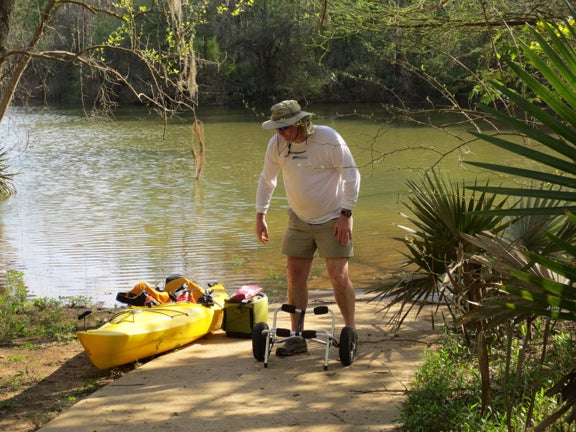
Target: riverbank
(40,380)
(219,383)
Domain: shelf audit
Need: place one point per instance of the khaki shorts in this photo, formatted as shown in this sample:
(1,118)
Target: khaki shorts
(302,240)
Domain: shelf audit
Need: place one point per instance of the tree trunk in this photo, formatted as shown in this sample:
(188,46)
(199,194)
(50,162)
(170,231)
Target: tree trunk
(6,7)
(12,72)
(484,366)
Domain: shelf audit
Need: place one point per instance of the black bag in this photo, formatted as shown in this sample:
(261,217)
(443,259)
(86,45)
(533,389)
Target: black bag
(141,299)
(240,316)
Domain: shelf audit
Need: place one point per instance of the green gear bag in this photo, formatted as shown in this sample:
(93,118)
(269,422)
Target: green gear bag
(240,316)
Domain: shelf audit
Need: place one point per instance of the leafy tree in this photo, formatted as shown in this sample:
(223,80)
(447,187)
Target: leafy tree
(144,47)
(267,52)
(166,77)
(426,53)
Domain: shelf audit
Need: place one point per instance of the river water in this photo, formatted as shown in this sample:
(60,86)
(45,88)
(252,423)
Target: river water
(103,204)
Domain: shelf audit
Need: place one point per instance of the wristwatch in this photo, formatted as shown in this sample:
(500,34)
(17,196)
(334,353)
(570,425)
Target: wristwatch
(347,213)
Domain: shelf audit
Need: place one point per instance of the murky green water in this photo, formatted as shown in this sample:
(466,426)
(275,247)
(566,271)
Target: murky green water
(103,204)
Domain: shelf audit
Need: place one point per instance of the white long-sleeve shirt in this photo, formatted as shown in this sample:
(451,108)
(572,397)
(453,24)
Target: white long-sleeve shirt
(320,175)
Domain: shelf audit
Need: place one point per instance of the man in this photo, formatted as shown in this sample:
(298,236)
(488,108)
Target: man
(322,183)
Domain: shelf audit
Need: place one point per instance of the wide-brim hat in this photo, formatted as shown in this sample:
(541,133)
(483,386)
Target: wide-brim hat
(285,113)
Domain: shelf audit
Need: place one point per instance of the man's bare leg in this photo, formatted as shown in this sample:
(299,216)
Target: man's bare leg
(343,289)
(298,272)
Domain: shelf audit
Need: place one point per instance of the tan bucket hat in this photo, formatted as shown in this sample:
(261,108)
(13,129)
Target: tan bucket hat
(285,113)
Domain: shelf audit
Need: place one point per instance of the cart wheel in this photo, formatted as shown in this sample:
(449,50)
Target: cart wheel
(259,341)
(348,343)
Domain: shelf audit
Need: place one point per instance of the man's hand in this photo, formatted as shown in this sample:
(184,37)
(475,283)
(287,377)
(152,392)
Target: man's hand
(261,228)
(343,229)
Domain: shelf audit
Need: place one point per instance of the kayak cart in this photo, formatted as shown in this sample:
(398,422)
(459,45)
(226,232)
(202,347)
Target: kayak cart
(264,338)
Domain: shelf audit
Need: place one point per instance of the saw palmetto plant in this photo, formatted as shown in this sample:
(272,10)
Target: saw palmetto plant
(501,255)
(539,274)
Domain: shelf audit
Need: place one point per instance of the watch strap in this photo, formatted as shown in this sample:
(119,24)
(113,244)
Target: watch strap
(347,213)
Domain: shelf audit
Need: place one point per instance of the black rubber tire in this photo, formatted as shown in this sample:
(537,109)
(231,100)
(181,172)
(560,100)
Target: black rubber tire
(259,341)
(347,345)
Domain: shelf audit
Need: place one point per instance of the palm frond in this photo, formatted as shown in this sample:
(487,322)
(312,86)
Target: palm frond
(555,62)
(439,211)
(529,283)
(6,179)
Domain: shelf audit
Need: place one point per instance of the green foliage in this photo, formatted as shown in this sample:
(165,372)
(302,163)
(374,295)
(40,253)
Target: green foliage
(557,65)
(282,64)
(541,282)
(444,388)
(235,8)
(209,48)
(547,294)
(530,231)
(544,286)
(424,52)
(127,51)
(407,53)
(506,46)
(38,319)
(528,271)
(448,387)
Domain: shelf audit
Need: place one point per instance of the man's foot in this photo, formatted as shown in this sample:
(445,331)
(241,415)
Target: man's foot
(295,345)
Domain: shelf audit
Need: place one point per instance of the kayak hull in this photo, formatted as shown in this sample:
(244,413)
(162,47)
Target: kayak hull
(141,332)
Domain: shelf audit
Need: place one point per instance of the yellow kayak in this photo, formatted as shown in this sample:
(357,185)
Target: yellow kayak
(143,331)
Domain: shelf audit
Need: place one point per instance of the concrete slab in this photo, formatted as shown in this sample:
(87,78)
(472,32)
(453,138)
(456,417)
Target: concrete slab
(215,385)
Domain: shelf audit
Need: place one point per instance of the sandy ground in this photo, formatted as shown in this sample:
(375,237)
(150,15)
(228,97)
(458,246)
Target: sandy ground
(215,384)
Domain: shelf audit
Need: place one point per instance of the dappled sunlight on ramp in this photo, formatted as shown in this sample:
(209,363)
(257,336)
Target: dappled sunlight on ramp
(215,385)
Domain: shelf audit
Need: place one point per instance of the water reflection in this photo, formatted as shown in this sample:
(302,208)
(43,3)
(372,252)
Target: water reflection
(102,204)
